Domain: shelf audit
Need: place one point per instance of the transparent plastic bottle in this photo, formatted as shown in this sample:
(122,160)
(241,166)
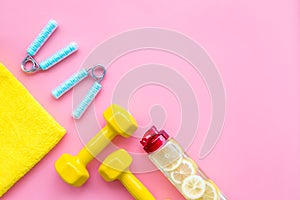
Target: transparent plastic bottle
(168,156)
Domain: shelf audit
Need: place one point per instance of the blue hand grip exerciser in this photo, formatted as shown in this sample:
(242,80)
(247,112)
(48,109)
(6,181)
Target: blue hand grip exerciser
(74,80)
(38,42)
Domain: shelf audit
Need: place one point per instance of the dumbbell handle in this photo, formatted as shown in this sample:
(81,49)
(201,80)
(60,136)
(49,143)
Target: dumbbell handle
(96,145)
(135,187)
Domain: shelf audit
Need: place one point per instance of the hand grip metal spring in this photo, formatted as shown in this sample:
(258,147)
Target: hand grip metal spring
(42,37)
(59,56)
(68,84)
(92,93)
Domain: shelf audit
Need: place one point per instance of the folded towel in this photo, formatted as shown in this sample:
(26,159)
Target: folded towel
(27,131)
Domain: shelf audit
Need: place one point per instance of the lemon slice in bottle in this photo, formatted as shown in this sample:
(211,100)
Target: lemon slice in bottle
(168,156)
(193,187)
(211,192)
(185,169)
(172,166)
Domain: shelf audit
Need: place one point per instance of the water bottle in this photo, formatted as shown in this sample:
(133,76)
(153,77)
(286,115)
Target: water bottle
(169,157)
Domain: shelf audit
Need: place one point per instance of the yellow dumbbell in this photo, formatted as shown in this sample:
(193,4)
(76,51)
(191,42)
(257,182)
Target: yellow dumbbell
(72,169)
(116,166)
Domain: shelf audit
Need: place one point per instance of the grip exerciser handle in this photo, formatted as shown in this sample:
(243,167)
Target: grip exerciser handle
(42,37)
(59,56)
(92,93)
(70,83)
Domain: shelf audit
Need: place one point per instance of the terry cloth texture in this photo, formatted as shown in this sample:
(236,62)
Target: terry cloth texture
(27,131)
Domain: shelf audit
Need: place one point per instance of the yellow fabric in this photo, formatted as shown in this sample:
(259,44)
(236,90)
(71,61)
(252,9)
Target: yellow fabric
(27,131)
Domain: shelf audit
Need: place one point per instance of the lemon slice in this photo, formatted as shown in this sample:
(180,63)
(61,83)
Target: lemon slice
(173,165)
(185,169)
(211,192)
(167,156)
(193,187)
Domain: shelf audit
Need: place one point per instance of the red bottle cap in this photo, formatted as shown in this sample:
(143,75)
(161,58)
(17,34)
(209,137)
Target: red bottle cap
(153,139)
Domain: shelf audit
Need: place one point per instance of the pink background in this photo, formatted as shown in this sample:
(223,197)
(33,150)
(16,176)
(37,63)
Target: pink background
(255,45)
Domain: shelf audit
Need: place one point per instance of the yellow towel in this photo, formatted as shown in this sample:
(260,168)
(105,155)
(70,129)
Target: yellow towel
(27,131)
